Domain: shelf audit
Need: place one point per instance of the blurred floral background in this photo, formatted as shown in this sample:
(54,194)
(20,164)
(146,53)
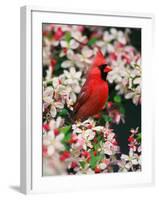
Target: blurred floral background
(110,141)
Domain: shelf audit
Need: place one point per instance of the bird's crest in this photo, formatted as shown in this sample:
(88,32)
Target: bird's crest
(99,59)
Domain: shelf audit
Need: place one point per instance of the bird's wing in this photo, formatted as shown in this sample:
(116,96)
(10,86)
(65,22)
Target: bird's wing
(83,96)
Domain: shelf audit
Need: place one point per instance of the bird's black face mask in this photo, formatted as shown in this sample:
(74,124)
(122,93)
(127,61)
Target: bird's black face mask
(103,73)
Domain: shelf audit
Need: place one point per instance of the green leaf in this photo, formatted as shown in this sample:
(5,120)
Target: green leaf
(122,109)
(63,112)
(67,37)
(67,146)
(49,35)
(106,103)
(82,163)
(49,83)
(67,136)
(92,41)
(106,118)
(139,137)
(117,99)
(103,119)
(58,69)
(65,129)
(96,146)
(94,160)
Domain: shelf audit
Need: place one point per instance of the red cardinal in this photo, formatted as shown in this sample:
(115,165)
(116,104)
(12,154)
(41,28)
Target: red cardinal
(94,92)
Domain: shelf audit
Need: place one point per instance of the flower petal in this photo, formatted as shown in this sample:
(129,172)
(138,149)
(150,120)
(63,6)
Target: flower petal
(67,64)
(53,111)
(74,44)
(59,105)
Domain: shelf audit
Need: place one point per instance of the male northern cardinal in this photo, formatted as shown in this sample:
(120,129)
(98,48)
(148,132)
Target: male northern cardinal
(94,92)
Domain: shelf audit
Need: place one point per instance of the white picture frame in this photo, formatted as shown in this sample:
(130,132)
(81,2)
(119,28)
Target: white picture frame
(31,94)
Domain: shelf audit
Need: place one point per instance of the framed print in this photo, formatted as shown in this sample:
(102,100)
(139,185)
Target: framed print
(86,111)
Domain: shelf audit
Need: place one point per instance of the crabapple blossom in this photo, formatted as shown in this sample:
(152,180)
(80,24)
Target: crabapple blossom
(90,146)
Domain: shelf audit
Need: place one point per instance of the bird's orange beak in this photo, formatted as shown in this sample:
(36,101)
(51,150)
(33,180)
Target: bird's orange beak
(108,69)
